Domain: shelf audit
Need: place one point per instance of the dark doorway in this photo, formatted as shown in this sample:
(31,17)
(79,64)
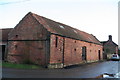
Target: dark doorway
(99,55)
(3,51)
(84,53)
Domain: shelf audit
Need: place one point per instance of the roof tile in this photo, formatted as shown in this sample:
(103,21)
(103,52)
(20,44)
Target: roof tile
(65,30)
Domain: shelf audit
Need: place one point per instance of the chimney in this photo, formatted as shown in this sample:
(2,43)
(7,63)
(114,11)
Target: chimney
(110,37)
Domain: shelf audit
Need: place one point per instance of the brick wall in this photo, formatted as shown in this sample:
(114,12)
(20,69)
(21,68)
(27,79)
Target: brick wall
(24,51)
(32,44)
(56,49)
(72,51)
(110,48)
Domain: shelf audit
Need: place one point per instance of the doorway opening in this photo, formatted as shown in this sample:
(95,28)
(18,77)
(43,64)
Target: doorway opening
(99,57)
(84,53)
(3,52)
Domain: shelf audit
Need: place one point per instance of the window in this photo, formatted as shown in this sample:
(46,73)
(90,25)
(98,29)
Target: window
(84,53)
(16,46)
(61,26)
(59,60)
(89,38)
(75,31)
(90,50)
(16,36)
(56,42)
(75,41)
(75,49)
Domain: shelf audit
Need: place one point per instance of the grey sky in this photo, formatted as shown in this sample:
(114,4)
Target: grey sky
(97,17)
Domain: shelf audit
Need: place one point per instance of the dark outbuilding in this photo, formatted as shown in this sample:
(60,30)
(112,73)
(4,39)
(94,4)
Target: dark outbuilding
(109,48)
(3,41)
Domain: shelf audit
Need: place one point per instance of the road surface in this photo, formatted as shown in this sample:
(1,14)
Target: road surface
(81,71)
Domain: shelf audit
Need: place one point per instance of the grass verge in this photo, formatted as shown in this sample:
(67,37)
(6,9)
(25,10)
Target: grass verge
(20,66)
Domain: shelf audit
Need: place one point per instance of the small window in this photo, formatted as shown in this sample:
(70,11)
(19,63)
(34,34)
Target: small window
(16,36)
(61,26)
(90,50)
(16,46)
(89,38)
(56,42)
(75,49)
(59,60)
(75,41)
(75,31)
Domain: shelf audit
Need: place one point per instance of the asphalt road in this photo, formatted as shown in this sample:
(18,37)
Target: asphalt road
(81,71)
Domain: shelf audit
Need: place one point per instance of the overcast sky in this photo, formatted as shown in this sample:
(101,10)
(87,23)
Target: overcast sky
(97,17)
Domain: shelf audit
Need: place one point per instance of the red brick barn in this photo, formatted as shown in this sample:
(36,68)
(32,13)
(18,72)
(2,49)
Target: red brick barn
(39,40)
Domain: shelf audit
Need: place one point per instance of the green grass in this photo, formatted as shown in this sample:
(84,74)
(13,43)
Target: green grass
(20,66)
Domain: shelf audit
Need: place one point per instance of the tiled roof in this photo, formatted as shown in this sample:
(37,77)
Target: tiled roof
(64,30)
(104,42)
